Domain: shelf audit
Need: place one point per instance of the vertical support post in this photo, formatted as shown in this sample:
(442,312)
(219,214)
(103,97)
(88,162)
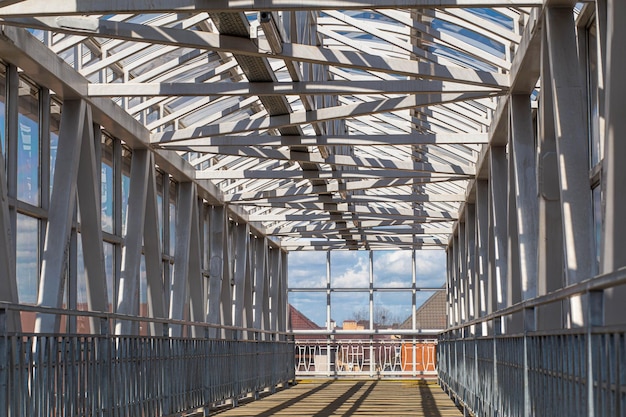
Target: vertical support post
(461,282)
(523,152)
(242,233)
(152,249)
(550,268)
(8,281)
(498,198)
(470,244)
(514,322)
(91,223)
(572,149)
(128,295)
(614,251)
(482,252)
(62,204)
(195,281)
(216,265)
(226,295)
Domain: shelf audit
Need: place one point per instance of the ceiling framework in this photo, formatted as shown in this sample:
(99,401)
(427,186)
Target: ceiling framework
(334,125)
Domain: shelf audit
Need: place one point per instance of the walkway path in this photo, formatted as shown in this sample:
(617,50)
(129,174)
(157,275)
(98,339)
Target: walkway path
(363,398)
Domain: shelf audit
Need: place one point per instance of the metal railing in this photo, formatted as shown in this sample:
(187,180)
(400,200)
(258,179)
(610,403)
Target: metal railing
(556,373)
(365,356)
(108,375)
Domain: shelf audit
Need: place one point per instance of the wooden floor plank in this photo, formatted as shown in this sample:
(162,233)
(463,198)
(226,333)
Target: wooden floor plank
(362,398)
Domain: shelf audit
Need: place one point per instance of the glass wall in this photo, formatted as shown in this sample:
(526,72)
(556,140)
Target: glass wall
(401,282)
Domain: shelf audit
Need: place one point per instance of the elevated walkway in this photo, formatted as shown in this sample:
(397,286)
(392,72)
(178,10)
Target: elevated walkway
(351,398)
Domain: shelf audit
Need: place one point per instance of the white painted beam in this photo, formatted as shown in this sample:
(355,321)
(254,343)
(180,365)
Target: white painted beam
(41,7)
(243,89)
(304,117)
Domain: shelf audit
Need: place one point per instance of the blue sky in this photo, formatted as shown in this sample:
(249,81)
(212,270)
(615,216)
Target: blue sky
(350,274)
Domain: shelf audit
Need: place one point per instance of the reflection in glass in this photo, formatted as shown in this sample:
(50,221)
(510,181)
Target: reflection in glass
(109,267)
(125,192)
(597,220)
(55,125)
(28,144)
(27,258)
(107,197)
(172,228)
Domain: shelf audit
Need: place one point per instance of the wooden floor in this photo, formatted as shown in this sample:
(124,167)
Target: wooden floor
(382,398)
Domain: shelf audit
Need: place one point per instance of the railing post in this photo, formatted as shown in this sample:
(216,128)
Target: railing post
(530,325)
(106,373)
(595,318)
(4,363)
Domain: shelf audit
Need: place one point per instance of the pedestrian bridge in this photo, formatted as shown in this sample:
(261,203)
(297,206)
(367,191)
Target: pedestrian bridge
(406,204)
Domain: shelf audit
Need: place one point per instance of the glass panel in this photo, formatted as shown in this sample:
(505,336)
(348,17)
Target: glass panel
(393,268)
(349,269)
(109,266)
(595,125)
(430,310)
(350,310)
(307,269)
(125,191)
(28,144)
(160,215)
(3,109)
(27,258)
(392,309)
(107,197)
(172,228)
(597,219)
(430,268)
(310,310)
(55,125)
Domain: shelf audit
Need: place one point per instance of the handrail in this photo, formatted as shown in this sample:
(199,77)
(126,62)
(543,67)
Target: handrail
(116,316)
(595,284)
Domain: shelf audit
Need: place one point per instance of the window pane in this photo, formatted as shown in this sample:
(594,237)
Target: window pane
(430,268)
(55,125)
(109,266)
(28,144)
(307,269)
(393,268)
(107,197)
(172,228)
(125,191)
(27,258)
(597,219)
(391,309)
(349,269)
(350,310)
(310,310)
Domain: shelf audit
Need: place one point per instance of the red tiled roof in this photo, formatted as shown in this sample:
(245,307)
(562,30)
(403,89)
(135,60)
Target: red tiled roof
(431,314)
(299,321)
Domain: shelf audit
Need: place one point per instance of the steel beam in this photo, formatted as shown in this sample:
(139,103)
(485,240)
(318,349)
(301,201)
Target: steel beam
(62,204)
